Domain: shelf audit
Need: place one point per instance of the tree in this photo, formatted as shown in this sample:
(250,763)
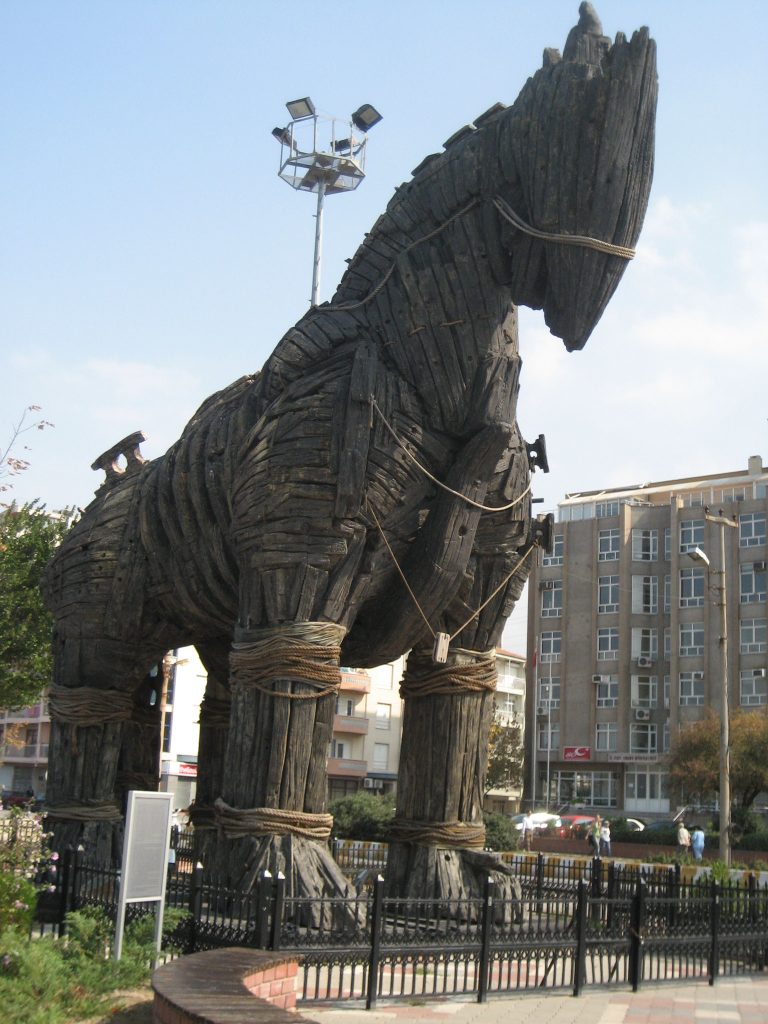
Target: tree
(362,816)
(28,537)
(10,463)
(505,757)
(695,765)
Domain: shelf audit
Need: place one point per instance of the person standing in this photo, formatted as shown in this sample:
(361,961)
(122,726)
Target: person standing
(526,831)
(594,836)
(697,842)
(605,839)
(683,838)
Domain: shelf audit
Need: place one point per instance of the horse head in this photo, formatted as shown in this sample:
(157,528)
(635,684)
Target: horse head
(576,150)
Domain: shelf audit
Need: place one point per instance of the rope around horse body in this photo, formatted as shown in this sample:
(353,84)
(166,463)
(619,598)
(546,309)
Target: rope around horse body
(445,487)
(237,823)
(450,835)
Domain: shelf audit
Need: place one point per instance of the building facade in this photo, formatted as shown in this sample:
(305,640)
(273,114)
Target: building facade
(24,737)
(510,713)
(624,618)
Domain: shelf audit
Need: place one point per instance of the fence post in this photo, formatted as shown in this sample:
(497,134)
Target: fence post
(539,882)
(580,954)
(714,951)
(65,894)
(610,894)
(752,899)
(377,916)
(636,935)
(195,905)
(263,904)
(674,894)
(277,912)
(486,924)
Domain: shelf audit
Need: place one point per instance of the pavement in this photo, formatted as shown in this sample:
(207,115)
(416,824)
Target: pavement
(741,1000)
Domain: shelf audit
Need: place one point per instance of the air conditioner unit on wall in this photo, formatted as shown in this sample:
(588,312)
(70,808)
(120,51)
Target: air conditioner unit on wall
(547,585)
(642,714)
(599,679)
(373,784)
(643,662)
(758,566)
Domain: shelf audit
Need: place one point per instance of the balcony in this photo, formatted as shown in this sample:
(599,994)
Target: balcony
(347,768)
(355,680)
(30,752)
(351,723)
(38,710)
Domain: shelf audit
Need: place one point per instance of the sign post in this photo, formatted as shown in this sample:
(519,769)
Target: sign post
(145,858)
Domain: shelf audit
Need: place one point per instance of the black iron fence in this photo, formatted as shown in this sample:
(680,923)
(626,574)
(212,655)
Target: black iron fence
(605,924)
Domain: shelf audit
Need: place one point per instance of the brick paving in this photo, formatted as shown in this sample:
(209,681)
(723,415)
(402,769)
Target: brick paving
(741,1000)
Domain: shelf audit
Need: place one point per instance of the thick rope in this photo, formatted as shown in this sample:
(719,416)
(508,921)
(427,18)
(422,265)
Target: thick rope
(306,652)
(583,241)
(448,835)
(467,672)
(439,483)
(85,705)
(137,780)
(87,810)
(237,823)
(202,816)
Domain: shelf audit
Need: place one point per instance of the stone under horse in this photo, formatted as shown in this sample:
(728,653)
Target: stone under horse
(366,494)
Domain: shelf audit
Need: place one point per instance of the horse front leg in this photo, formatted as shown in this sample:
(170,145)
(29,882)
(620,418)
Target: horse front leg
(438,833)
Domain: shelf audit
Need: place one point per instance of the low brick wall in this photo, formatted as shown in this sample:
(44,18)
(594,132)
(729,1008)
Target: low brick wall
(227,986)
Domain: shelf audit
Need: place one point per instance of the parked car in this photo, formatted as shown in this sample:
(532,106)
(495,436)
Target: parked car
(542,822)
(577,825)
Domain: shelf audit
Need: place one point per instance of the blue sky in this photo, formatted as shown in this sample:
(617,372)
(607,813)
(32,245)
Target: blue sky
(151,255)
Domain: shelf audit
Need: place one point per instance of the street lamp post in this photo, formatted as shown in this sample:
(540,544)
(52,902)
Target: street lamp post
(698,555)
(323,155)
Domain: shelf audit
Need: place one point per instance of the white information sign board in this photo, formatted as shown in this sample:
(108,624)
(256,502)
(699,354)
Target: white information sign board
(145,858)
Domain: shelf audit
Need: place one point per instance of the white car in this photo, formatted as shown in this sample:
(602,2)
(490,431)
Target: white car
(541,821)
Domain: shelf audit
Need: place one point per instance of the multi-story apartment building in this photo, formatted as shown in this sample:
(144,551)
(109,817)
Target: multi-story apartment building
(510,712)
(24,739)
(626,626)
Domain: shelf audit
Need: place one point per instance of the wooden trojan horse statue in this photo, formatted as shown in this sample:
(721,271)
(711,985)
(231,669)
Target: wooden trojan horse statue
(366,494)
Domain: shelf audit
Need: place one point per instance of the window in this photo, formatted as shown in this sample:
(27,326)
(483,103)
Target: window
(549,738)
(550,646)
(691,689)
(691,639)
(754,687)
(383,716)
(608,546)
(753,582)
(645,545)
(693,499)
(642,785)
(607,692)
(752,530)
(754,636)
(381,756)
(691,533)
(667,593)
(556,558)
(645,595)
(574,513)
(604,509)
(607,643)
(691,588)
(549,693)
(338,748)
(667,643)
(645,643)
(551,598)
(607,594)
(667,691)
(665,734)
(667,543)
(642,738)
(644,691)
(590,789)
(606,736)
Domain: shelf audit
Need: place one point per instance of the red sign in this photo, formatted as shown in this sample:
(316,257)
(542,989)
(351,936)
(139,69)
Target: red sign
(189,770)
(577,753)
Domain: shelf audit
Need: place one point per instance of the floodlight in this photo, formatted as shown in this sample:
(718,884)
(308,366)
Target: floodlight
(282,135)
(366,117)
(301,108)
(698,555)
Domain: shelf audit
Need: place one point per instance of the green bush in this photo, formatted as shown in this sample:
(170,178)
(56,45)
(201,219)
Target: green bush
(500,834)
(752,841)
(18,898)
(49,981)
(363,816)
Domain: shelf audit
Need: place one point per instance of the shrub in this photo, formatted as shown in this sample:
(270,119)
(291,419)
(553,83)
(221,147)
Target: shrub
(363,816)
(500,833)
(18,898)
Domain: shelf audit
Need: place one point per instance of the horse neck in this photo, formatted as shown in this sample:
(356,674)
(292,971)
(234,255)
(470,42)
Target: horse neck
(429,291)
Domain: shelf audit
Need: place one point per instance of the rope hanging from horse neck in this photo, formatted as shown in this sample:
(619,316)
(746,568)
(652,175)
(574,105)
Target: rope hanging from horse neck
(520,562)
(506,211)
(439,483)
(583,241)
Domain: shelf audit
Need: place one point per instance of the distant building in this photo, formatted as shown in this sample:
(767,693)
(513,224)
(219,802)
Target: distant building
(626,630)
(510,712)
(24,738)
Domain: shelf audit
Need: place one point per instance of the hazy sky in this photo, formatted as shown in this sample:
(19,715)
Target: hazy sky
(149,254)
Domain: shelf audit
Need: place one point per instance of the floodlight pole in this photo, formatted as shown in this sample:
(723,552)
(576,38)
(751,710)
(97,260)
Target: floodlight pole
(318,242)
